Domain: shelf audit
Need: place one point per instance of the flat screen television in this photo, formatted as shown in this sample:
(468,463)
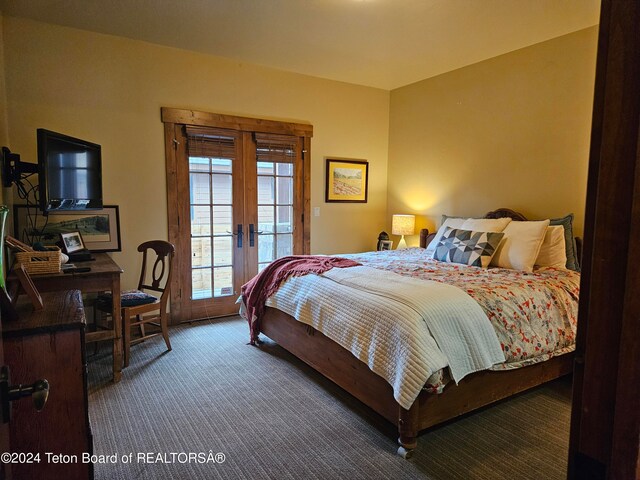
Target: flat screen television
(70,172)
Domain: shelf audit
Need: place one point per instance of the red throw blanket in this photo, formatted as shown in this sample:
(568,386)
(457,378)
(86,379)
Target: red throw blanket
(256,291)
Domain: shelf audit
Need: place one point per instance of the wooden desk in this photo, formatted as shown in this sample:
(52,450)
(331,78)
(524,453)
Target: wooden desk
(104,276)
(49,344)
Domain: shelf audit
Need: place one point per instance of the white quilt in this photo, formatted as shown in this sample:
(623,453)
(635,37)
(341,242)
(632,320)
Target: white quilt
(405,329)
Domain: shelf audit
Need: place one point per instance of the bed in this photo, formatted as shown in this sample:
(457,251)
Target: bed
(438,400)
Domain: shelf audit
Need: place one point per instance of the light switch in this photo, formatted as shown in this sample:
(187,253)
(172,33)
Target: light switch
(316,211)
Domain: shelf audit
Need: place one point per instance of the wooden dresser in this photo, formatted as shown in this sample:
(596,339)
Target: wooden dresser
(49,344)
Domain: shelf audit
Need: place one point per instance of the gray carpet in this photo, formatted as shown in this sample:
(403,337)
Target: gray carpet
(274,417)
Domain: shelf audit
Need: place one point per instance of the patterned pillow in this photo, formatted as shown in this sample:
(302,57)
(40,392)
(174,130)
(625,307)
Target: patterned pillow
(467,247)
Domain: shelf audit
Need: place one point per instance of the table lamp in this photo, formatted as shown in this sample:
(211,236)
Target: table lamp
(403,225)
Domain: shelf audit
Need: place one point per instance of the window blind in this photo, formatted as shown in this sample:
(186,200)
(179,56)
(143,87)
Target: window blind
(276,148)
(210,142)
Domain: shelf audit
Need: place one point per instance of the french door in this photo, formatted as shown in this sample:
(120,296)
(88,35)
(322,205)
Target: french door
(237,201)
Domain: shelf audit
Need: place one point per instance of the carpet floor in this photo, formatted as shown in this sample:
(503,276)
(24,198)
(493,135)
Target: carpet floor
(274,417)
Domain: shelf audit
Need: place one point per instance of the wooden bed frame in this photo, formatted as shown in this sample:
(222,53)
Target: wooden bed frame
(340,366)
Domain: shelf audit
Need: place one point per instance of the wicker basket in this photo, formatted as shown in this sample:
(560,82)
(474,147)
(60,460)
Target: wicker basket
(40,262)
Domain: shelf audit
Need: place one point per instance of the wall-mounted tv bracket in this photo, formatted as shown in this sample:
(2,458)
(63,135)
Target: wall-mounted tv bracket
(13,168)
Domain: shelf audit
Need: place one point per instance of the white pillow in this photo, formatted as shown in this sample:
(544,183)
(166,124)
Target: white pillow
(553,252)
(486,224)
(449,222)
(521,245)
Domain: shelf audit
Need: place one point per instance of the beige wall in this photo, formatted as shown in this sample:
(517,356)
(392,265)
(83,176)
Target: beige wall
(512,131)
(109,90)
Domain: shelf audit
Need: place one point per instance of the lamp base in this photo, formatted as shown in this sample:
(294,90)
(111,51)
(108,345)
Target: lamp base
(402,244)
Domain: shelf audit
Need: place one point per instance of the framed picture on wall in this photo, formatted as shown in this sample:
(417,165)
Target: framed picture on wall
(347,180)
(100,229)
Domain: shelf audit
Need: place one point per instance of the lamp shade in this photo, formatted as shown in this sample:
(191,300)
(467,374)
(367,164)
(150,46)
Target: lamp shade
(403,224)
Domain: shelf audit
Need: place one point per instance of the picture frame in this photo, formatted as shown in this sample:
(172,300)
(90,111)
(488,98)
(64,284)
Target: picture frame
(347,180)
(21,283)
(100,229)
(27,286)
(72,242)
(386,245)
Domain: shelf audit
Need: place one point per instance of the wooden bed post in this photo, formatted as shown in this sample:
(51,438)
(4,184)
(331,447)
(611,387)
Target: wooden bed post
(408,429)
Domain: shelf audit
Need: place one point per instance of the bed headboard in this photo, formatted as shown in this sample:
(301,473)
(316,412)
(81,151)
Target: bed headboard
(426,237)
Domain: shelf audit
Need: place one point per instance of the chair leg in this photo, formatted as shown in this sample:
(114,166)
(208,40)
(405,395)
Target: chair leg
(142,331)
(126,334)
(97,316)
(165,328)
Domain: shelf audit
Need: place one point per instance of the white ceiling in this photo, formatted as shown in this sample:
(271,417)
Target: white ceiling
(379,43)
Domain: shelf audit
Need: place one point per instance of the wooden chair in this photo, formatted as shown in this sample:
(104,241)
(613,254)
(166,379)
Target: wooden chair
(139,307)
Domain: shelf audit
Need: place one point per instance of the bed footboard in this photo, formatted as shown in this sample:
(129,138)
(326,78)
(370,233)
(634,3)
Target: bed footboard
(340,366)
(331,360)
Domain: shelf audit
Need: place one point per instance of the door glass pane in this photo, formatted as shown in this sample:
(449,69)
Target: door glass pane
(222,220)
(201,252)
(223,281)
(265,248)
(222,251)
(220,165)
(284,220)
(266,220)
(201,283)
(284,244)
(284,190)
(265,191)
(199,164)
(222,193)
(265,168)
(200,191)
(200,220)
(285,169)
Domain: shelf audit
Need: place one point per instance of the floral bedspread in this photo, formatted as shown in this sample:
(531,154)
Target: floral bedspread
(534,314)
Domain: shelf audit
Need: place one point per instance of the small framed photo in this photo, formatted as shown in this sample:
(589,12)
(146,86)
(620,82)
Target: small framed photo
(386,244)
(72,242)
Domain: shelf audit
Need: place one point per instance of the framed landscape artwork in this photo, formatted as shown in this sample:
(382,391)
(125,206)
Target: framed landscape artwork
(100,229)
(347,180)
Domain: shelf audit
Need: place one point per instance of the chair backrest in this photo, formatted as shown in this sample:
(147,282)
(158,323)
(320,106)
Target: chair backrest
(161,271)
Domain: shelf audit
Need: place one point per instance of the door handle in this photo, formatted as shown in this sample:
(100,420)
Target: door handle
(252,234)
(38,391)
(239,236)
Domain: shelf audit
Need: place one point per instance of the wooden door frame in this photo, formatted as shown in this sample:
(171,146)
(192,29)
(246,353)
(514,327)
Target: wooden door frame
(174,120)
(605,423)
